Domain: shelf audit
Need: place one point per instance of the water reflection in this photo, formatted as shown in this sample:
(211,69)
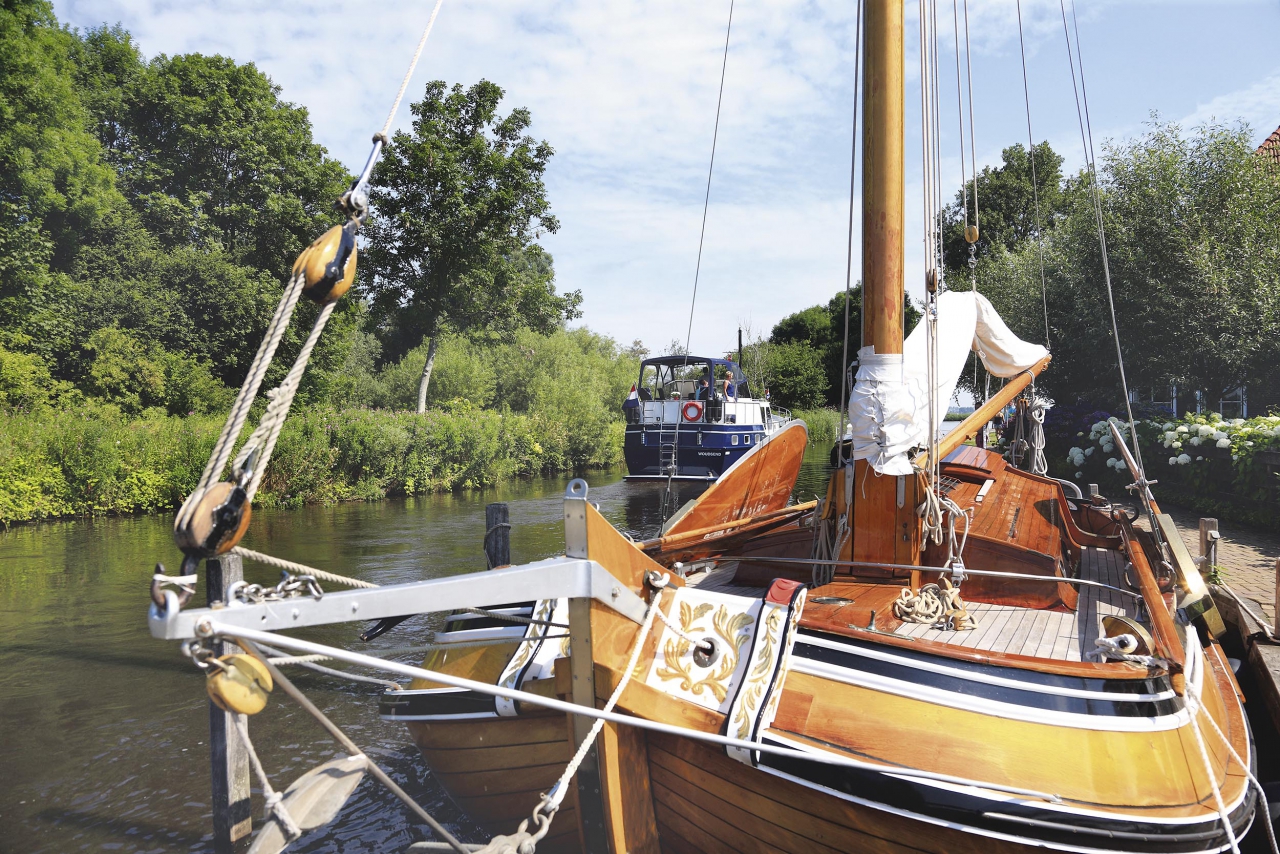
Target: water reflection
(103,731)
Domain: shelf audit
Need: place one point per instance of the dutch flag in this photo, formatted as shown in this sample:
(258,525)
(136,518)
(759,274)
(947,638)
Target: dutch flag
(633,399)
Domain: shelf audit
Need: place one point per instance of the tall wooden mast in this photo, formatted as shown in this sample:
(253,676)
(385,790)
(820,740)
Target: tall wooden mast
(885,526)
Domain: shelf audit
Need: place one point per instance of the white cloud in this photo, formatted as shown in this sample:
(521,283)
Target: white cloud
(625,90)
(1258,104)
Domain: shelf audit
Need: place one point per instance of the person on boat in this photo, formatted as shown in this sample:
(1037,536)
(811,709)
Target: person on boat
(704,388)
(730,387)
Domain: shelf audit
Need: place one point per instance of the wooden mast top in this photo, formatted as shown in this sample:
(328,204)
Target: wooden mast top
(883,177)
(885,525)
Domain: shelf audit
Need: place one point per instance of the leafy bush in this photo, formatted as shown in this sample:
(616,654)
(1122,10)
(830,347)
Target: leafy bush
(1213,464)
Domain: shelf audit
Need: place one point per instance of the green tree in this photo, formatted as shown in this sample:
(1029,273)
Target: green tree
(822,326)
(457,205)
(1193,239)
(1007,199)
(796,376)
(209,152)
(53,183)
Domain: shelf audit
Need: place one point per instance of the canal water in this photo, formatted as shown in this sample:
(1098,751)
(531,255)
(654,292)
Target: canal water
(104,731)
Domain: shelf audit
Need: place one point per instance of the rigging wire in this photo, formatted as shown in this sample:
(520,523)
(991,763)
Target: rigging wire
(848,261)
(1086,138)
(1035,186)
(697,270)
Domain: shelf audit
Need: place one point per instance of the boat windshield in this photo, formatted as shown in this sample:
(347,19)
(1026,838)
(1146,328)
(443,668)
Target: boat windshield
(675,379)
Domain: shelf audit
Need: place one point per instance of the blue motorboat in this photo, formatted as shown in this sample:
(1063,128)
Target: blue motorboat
(692,417)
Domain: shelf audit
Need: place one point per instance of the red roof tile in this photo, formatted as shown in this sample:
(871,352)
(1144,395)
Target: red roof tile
(1271,149)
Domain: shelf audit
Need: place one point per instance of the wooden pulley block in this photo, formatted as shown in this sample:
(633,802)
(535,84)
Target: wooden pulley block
(971,234)
(242,684)
(329,264)
(216,523)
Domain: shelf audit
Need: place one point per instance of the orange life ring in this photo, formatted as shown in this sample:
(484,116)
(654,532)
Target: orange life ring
(696,406)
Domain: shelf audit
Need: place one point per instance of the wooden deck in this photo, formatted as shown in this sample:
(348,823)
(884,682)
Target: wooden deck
(719,579)
(1060,635)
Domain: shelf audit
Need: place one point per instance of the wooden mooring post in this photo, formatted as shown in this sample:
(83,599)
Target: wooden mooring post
(1209,537)
(228,759)
(497,535)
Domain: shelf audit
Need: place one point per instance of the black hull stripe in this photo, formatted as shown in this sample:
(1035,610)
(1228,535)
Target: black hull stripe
(1036,826)
(1029,696)
(407,705)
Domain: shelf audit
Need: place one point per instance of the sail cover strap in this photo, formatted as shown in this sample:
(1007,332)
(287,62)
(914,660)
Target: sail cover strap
(889,407)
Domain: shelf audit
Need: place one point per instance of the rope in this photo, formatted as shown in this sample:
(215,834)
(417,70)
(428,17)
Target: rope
(275,801)
(1270,629)
(1194,706)
(1035,412)
(300,569)
(936,605)
(407,650)
(848,261)
(1086,138)
(1193,701)
(546,810)
(249,390)
(308,661)
(1035,186)
(413,64)
(268,431)
(253,636)
(697,269)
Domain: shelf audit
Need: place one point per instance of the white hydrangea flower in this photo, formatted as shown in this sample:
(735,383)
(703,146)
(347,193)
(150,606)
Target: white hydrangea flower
(1195,440)
(1224,442)
(1236,422)
(1248,444)
(1088,452)
(1111,462)
(1168,425)
(1079,474)
(1073,452)
(1204,430)
(1219,436)
(1120,465)
(1177,446)
(1108,448)
(1173,461)
(1183,459)
(1198,459)
(1182,428)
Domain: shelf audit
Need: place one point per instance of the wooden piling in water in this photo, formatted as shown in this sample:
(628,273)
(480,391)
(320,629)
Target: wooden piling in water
(228,758)
(497,535)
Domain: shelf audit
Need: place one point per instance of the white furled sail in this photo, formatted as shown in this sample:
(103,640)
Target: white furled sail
(889,406)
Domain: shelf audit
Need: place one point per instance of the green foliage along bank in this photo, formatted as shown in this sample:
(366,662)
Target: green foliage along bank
(539,404)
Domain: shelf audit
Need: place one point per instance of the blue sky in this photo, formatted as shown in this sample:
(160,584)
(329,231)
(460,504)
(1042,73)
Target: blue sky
(626,93)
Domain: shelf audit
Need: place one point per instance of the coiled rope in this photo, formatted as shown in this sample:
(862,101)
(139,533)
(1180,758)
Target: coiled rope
(938,605)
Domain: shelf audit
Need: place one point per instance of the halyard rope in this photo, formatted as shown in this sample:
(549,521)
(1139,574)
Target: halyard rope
(274,800)
(263,439)
(249,390)
(449,679)
(1194,705)
(408,74)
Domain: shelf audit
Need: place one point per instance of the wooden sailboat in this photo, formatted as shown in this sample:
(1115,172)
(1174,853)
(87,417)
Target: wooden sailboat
(876,733)
(1052,681)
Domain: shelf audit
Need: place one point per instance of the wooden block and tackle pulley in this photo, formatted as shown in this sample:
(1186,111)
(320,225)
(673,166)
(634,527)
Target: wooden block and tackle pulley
(329,264)
(239,683)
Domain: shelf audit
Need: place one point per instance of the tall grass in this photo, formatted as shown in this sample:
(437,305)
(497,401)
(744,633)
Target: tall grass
(824,424)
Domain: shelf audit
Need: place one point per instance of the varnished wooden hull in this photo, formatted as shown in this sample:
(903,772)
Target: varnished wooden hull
(1053,752)
(496,770)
